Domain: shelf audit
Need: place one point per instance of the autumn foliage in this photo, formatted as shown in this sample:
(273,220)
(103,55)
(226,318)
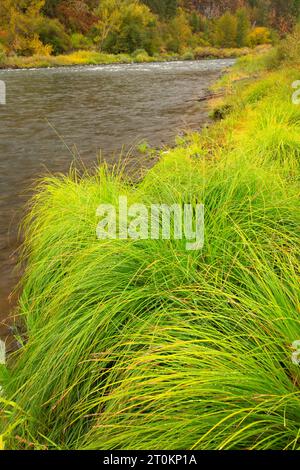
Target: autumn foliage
(44,27)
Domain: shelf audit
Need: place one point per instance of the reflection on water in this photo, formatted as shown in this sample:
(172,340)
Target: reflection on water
(52,114)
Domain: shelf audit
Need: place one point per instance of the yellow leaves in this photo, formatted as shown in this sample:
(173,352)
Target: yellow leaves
(259,35)
(38,48)
(2,443)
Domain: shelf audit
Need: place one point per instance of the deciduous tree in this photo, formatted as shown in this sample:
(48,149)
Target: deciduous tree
(227,30)
(243,27)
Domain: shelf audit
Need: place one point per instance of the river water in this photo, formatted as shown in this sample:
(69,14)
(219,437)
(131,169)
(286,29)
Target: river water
(52,116)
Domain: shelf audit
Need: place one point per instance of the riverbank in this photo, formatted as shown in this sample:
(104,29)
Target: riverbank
(144,345)
(116,124)
(98,58)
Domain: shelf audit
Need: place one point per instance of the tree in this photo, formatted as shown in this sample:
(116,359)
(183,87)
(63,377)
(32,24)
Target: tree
(51,31)
(165,9)
(138,29)
(19,20)
(125,26)
(227,30)
(214,8)
(109,14)
(243,27)
(75,15)
(180,32)
(279,14)
(51,7)
(284,14)
(198,22)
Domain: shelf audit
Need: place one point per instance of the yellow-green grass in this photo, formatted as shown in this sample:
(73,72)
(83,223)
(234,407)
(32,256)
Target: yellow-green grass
(144,345)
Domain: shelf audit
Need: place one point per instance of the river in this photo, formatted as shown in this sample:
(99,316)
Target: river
(53,116)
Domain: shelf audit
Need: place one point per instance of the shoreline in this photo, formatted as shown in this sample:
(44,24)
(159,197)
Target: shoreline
(72,66)
(91,58)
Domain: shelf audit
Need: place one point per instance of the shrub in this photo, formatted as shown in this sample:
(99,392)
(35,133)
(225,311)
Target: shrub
(289,49)
(139,52)
(188,55)
(3,57)
(258,36)
(33,46)
(201,41)
(140,58)
(221,111)
(79,41)
(204,52)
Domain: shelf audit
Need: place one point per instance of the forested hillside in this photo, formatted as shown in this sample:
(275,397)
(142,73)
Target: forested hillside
(45,27)
(279,14)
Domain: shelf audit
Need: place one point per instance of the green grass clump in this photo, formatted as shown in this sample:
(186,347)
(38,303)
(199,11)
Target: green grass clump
(144,345)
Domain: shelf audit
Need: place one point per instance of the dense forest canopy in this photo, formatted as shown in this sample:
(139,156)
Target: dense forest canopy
(123,26)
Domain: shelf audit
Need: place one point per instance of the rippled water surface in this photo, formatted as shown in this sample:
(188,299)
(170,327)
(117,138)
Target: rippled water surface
(53,114)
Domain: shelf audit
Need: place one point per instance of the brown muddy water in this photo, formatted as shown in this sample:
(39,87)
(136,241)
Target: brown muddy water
(52,115)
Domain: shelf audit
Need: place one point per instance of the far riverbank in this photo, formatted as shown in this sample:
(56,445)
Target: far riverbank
(84,57)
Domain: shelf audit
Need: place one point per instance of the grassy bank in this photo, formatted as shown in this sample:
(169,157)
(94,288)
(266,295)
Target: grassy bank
(98,58)
(143,345)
